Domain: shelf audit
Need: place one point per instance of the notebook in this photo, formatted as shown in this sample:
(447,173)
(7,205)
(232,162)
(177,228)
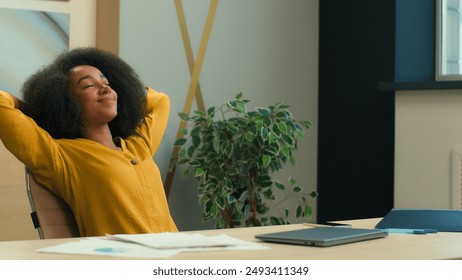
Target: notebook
(322,236)
(437,219)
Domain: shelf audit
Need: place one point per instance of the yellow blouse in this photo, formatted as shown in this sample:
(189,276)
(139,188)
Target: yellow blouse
(109,191)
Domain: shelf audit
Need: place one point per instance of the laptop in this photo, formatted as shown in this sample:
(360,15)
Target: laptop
(322,236)
(449,220)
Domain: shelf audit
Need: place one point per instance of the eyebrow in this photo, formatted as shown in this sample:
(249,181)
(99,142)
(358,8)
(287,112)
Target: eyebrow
(89,77)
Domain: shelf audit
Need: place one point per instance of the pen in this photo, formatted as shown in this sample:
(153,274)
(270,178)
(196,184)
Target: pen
(411,230)
(424,231)
(315,225)
(326,225)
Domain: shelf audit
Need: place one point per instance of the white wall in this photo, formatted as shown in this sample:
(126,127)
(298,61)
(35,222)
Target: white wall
(428,127)
(23,51)
(268,49)
(30,40)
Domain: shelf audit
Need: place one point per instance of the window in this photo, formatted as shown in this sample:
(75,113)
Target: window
(449,46)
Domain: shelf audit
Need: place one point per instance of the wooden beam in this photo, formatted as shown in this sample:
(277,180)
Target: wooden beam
(108,25)
(194,91)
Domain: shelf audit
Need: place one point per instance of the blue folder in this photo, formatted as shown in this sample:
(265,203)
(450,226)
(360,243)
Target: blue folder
(437,219)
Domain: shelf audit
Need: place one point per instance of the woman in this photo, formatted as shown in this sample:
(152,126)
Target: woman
(88,130)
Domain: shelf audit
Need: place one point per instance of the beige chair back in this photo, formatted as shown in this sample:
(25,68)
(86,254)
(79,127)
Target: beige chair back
(51,215)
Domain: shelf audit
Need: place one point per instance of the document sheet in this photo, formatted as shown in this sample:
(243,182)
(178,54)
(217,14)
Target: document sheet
(155,245)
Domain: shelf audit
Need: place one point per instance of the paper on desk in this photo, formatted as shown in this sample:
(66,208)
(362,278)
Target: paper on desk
(125,246)
(104,247)
(175,240)
(234,244)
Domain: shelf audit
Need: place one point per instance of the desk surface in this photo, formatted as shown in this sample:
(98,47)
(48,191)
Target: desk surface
(442,245)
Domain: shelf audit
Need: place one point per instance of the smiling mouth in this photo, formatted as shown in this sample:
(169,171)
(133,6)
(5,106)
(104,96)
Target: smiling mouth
(103,100)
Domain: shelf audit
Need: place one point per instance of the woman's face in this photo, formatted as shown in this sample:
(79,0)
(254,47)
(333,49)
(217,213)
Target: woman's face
(91,89)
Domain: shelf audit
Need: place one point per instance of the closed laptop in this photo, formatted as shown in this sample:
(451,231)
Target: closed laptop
(322,236)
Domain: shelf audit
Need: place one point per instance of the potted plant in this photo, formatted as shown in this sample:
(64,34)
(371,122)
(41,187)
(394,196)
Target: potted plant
(232,153)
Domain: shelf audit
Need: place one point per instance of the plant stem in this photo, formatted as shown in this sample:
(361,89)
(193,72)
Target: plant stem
(227,217)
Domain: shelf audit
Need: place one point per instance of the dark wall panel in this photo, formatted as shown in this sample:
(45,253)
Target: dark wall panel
(356,120)
(415,40)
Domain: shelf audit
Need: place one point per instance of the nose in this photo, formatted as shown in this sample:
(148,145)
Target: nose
(105,89)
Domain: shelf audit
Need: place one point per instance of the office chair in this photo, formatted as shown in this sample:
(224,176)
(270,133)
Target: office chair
(51,215)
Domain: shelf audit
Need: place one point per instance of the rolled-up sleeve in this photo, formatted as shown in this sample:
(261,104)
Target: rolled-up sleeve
(156,119)
(32,145)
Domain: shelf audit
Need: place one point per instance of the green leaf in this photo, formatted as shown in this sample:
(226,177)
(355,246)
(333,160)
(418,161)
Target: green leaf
(241,108)
(298,212)
(273,149)
(268,194)
(264,177)
(196,141)
(231,199)
(265,184)
(190,151)
(183,161)
(279,186)
(233,172)
(246,211)
(232,128)
(257,119)
(195,132)
(199,172)
(220,223)
(180,142)
(185,173)
(308,211)
(292,181)
(275,221)
(248,136)
(285,150)
(208,188)
(264,133)
(220,202)
(266,160)
(182,153)
(207,205)
(265,112)
(293,161)
(282,127)
(211,111)
(272,138)
(232,104)
(306,124)
(183,116)
(198,113)
(289,140)
(297,189)
(202,198)
(282,115)
(243,196)
(262,209)
(213,211)
(216,145)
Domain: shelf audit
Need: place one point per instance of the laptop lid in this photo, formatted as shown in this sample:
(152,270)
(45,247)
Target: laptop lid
(322,236)
(438,219)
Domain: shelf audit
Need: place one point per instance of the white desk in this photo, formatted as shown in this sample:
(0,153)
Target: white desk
(442,245)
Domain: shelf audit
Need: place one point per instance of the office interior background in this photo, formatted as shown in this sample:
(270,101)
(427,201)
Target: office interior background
(371,148)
